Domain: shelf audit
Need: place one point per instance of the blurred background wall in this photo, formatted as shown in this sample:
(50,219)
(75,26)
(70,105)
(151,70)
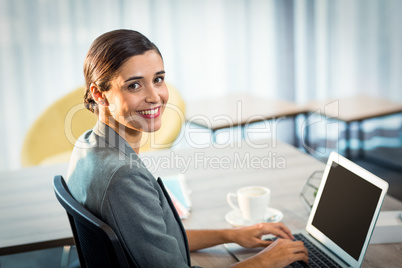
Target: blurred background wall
(293,50)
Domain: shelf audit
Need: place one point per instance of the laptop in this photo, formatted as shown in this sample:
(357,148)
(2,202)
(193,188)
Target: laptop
(342,218)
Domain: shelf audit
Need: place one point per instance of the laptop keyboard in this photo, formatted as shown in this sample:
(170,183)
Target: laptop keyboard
(316,257)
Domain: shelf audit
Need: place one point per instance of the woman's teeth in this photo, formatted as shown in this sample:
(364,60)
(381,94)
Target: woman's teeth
(147,112)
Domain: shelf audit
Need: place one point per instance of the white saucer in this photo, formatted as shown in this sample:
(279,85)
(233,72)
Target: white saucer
(234,217)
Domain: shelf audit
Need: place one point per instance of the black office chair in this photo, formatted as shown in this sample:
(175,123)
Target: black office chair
(97,244)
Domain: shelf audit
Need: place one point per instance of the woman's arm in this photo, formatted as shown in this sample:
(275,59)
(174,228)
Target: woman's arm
(279,254)
(199,239)
(276,254)
(249,236)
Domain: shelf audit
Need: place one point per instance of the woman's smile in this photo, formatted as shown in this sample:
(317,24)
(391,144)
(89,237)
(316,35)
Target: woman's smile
(150,113)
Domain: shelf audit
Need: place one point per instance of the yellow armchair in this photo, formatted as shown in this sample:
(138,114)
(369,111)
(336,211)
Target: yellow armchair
(52,136)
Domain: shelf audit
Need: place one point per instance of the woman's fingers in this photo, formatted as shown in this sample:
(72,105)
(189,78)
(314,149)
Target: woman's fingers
(299,251)
(283,252)
(279,230)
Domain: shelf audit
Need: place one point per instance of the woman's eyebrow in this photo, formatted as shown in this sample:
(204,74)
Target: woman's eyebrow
(160,72)
(141,77)
(134,78)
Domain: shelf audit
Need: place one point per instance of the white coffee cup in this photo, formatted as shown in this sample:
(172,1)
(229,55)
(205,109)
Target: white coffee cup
(253,202)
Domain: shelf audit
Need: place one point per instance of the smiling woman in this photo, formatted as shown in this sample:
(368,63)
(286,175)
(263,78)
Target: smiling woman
(125,84)
(124,75)
(136,98)
(106,56)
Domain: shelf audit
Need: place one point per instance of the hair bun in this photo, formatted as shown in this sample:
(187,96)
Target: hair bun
(90,103)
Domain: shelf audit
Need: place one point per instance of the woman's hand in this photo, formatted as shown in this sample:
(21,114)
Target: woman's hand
(279,254)
(250,236)
(283,252)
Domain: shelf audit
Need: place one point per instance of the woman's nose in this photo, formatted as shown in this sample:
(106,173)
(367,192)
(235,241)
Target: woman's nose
(152,95)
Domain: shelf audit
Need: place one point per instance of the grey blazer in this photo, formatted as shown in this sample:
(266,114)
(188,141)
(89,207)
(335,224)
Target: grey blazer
(111,181)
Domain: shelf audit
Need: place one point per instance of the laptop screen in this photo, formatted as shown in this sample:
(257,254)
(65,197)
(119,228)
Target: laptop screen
(346,209)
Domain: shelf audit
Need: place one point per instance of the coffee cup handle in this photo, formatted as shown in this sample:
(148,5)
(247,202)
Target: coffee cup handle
(229,199)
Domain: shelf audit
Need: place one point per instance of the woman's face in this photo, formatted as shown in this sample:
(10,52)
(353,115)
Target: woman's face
(138,92)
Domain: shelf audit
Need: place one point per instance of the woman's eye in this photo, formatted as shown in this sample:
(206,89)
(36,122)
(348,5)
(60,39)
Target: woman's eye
(134,86)
(158,80)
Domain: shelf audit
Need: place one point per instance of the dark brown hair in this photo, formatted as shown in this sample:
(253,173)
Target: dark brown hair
(105,56)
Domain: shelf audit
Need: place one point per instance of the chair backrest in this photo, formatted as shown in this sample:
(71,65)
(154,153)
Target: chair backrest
(52,136)
(97,244)
(54,131)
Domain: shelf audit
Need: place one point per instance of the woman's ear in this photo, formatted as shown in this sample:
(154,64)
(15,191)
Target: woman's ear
(98,95)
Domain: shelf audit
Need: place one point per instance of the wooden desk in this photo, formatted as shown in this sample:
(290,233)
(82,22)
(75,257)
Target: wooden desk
(30,216)
(238,110)
(212,173)
(354,109)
